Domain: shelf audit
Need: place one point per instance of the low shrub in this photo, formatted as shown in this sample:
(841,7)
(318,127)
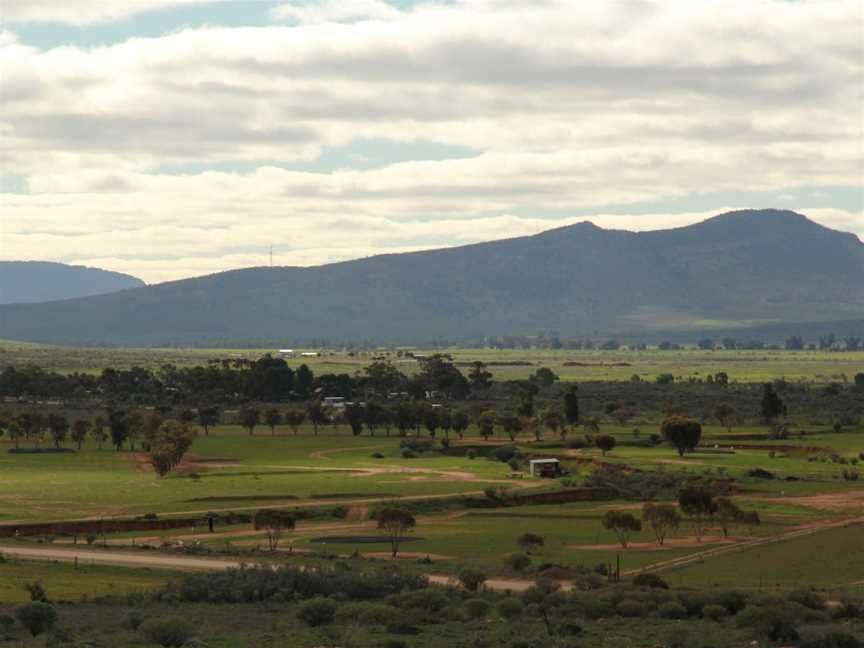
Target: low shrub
(477,608)
(169,632)
(672,610)
(630,608)
(833,639)
(37,617)
(510,608)
(714,612)
(367,614)
(650,580)
(471,579)
(518,561)
(317,611)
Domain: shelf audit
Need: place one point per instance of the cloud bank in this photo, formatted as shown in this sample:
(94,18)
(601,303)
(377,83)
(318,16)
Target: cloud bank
(192,152)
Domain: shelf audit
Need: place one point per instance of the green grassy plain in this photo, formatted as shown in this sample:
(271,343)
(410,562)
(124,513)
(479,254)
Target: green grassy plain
(65,582)
(505,364)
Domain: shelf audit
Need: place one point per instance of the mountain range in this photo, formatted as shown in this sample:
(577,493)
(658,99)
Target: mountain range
(41,281)
(748,268)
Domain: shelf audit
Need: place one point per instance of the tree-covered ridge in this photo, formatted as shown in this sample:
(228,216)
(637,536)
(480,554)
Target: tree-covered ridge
(39,281)
(740,268)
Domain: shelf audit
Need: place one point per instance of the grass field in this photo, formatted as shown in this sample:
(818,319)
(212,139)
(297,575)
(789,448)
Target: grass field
(229,470)
(579,365)
(65,582)
(832,559)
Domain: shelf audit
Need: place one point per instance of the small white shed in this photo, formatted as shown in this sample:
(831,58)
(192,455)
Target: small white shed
(544,467)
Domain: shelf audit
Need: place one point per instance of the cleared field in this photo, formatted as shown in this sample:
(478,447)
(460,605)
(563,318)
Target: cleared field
(228,470)
(832,559)
(579,365)
(63,582)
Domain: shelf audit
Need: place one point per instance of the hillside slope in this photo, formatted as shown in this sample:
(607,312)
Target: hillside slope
(737,269)
(41,281)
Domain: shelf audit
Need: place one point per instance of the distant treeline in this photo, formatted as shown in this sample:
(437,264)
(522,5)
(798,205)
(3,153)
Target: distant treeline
(555,340)
(267,379)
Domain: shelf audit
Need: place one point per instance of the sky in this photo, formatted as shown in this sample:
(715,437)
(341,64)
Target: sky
(175,138)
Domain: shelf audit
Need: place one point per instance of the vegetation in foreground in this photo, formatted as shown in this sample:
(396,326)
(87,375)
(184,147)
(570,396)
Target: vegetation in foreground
(342,605)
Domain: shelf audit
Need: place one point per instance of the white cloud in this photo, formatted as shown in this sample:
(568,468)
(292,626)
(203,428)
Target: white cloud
(335,11)
(574,106)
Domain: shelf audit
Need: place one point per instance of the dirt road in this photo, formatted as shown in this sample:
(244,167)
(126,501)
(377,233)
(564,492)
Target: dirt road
(120,558)
(190,563)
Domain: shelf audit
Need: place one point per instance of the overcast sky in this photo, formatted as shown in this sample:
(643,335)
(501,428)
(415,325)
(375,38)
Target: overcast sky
(172,138)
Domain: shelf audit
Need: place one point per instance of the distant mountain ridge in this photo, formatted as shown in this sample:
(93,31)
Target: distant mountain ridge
(41,281)
(739,269)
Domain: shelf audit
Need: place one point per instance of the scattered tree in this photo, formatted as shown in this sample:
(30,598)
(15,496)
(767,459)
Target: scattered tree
(698,504)
(530,542)
(728,513)
(682,432)
(272,418)
(486,423)
(80,428)
(606,443)
(208,417)
(662,518)
(317,415)
(726,415)
(249,417)
(395,523)
(275,523)
(771,405)
(622,524)
(571,406)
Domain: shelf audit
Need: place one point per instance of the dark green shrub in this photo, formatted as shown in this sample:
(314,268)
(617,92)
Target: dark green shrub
(518,561)
(36,591)
(510,609)
(37,617)
(770,622)
(714,612)
(733,601)
(672,610)
(367,614)
(170,632)
(431,599)
(471,579)
(630,608)
(477,608)
(133,620)
(317,611)
(650,580)
(833,639)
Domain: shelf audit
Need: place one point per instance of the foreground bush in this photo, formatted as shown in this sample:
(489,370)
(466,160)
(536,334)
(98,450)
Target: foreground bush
(317,611)
(37,617)
(260,583)
(170,632)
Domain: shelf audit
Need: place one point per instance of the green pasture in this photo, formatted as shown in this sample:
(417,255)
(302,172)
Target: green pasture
(573,535)
(63,582)
(832,559)
(232,470)
(581,365)
(242,472)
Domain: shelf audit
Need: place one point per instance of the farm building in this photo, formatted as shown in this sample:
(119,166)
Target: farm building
(544,467)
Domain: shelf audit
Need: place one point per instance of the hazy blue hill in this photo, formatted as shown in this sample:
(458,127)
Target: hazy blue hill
(40,281)
(745,268)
